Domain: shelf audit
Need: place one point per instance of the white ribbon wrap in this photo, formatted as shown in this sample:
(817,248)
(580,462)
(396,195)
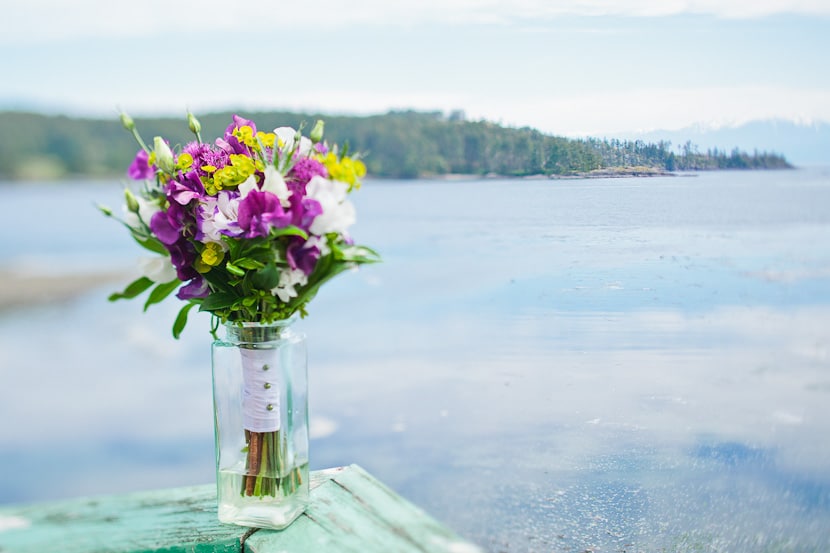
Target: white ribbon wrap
(261,390)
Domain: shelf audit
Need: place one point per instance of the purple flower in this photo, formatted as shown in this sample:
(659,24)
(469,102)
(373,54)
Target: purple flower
(240,122)
(305,169)
(196,288)
(139,168)
(302,256)
(188,189)
(183,254)
(258,212)
(230,143)
(203,154)
(166,226)
(303,210)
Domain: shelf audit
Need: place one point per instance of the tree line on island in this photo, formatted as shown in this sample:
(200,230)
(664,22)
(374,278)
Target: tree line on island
(398,144)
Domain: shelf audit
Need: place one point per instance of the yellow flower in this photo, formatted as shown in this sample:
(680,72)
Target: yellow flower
(267,139)
(243,164)
(346,169)
(245,134)
(210,257)
(184,161)
(230,176)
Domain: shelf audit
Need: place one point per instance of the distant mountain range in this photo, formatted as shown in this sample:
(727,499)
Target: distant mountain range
(800,144)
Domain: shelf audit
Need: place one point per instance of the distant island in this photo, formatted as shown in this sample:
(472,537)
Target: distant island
(398,145)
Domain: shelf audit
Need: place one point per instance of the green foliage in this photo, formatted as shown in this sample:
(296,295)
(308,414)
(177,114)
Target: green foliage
(134,289)
(160,292)
(398,144)
(635,153)
(181,319)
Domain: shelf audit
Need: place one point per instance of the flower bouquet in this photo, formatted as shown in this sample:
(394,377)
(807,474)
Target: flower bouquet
(247,228)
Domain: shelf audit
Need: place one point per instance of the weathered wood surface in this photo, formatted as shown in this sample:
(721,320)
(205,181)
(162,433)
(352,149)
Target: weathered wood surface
(350,511)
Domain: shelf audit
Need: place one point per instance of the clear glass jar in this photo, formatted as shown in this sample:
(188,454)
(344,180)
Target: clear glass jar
(260,398)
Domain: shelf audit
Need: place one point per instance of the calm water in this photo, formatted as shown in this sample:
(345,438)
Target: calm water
(613,365)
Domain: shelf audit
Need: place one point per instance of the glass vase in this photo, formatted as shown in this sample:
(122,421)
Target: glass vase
(260,398)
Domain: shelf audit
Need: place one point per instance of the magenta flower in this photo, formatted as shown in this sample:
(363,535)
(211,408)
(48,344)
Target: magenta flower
(230,143)
(305,169)
(189,187)
(183,255)
(196,288)
(166,226)
(301,255)
(303,210)
(204,154)
(240,122)
(139,169)
(258,212)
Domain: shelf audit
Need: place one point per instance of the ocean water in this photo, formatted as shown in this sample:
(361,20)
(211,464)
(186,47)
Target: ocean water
(542,365)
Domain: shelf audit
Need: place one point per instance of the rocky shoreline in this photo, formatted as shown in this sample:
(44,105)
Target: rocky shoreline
(25,289)
(606,173)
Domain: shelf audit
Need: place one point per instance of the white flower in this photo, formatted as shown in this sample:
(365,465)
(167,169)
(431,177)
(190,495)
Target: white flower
(164,155)
(246,187)
(286,135)
(157,269)
(275,184)
(288,280)
(219,214)
(320,242)
(145,213)
(338,212)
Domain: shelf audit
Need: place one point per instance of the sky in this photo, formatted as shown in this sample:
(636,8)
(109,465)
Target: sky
(567,67)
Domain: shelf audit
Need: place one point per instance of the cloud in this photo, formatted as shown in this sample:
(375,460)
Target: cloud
(602,113)
(647,109)
(46,20)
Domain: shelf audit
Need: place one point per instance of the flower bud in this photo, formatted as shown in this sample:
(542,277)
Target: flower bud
(316,134)
(132,202)
(164,155)
(193,124)
(127,122)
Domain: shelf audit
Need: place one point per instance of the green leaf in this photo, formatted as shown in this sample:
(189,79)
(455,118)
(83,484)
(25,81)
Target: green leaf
(248,263)
(290,230)
(266,278)
(217,300)
(234,270)
(181,320)
(326,269)
(133,289)
(359,254)
(160,292)
(151,244)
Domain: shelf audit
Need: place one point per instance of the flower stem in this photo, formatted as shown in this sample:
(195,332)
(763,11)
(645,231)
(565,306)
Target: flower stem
(266,465)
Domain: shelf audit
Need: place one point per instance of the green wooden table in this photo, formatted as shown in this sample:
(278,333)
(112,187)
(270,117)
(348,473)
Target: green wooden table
(350,512)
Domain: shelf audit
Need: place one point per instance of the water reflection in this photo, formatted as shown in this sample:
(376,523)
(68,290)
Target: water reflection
(651,371)
(647,425)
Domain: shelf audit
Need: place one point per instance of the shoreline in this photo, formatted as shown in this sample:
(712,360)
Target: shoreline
(611,172)
(22,289)
(619,173)
(606,173)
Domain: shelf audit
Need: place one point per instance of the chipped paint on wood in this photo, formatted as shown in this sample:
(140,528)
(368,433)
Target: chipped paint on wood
(349,511)
(354,512)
